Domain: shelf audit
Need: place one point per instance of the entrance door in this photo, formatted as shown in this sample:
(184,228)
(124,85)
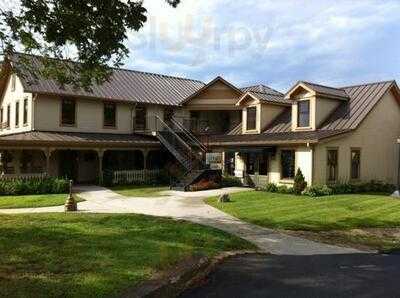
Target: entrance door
(68,165)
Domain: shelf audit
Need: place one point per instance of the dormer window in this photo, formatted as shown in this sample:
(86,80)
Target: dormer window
(303,116)
(251,118)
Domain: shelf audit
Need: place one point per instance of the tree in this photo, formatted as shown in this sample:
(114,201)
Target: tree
(93,30)
(299,182)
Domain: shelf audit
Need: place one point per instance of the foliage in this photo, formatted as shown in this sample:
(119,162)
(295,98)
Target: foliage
(96,255)
(299,182)
(231,181)
(349,188)
(271,187)
(32,186)
(285,189)
(96,31)
(318,191)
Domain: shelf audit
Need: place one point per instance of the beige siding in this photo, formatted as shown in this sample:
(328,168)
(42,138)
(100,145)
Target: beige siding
(89,116)
(323,108)
(268,113)
(10,98)
(217,97)
(376,137)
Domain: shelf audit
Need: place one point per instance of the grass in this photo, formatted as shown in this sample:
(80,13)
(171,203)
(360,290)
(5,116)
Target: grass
(334,219)
(33,201)
(139,190)
(94,255)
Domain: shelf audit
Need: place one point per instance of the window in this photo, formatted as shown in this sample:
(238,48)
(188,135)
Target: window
(17,114)
(251,163)
(332,165)
(251,118)
(68,112)
(13,80)
(8,116)
(140,120)
(303,119)
(287,164)
(110,114)
(355,163)
(25,116)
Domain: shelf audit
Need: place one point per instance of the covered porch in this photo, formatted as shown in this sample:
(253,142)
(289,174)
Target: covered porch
(80,157)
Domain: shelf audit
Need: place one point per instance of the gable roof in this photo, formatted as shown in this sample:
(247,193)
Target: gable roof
(123,85)
(208,85)
(319,90)
(261,89)
(349,114)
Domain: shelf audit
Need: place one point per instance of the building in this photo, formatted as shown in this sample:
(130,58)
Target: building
(256,133)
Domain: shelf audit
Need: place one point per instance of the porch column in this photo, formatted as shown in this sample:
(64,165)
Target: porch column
(100,154)
(47,153)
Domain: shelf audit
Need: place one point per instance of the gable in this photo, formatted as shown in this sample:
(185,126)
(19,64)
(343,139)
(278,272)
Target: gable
(217,94)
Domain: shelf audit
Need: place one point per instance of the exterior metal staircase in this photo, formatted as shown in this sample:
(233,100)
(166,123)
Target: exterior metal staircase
(186,148)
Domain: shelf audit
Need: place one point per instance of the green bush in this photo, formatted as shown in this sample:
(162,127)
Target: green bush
(34,186)
(231,181)
(318,191)
(271,187)
(299,182)
(284,189)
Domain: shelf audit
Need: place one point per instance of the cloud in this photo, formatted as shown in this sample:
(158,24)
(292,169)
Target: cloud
(272,42)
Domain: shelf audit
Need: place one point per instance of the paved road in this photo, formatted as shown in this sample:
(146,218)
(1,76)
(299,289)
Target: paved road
(350,275)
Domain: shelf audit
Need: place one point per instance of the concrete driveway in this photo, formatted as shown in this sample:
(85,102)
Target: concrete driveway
(191,207)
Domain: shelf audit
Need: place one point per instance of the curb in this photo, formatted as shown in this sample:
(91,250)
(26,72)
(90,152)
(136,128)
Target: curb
(183,277)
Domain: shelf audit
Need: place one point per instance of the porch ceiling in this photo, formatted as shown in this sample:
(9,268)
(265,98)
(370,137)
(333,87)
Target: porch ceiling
(76,139)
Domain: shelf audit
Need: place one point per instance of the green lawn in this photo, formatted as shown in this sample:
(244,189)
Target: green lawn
(139,190)
(93,255)
(363,221)
(33,201)
(313,214)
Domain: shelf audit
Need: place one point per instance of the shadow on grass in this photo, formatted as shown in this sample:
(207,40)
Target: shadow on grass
(95,255)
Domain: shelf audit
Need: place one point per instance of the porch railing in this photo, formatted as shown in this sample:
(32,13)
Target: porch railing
(135,176)
(25,176)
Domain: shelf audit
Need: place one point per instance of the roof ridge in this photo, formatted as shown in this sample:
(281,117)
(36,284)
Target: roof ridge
(263,85)
(281,94)
(325,86)
(118,68)
(369,83)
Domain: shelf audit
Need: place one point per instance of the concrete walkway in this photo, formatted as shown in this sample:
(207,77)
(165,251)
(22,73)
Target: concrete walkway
(191,207)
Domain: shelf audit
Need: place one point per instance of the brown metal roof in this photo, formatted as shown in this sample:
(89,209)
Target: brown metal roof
(271,98)
(363,98)
(78,139)
(273,138)
(124,85)
(326,90)
(349,114)
(261,89)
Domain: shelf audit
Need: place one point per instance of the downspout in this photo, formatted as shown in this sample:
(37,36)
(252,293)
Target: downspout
(33,107)
(397,192)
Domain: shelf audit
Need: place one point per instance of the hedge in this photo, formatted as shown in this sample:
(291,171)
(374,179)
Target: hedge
(341,188)
(34,186)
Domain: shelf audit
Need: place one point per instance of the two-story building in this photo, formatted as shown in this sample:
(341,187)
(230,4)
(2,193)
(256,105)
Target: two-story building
(141,120)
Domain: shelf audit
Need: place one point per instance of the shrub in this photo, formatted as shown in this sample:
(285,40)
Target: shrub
(271,187)
(284,189)
(230,181)
(299,182)
(318,191)
(34,186)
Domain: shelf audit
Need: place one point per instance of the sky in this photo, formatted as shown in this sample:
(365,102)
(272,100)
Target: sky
(276,43)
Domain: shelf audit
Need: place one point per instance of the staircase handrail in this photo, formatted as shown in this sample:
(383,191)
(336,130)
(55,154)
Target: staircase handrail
(165,125)
(190,135)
